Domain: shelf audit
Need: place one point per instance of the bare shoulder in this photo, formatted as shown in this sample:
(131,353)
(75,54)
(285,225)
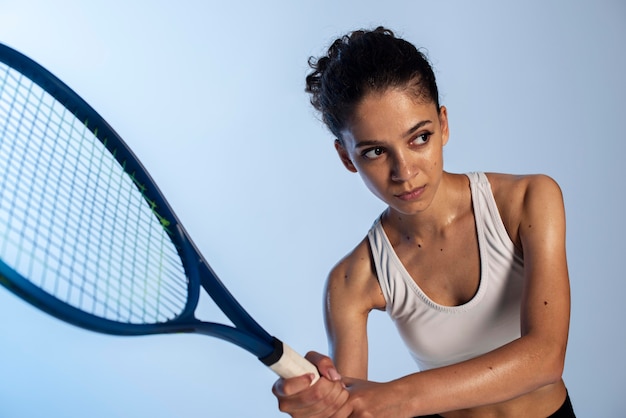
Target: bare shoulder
(519,197)
(513,187)
(352,282)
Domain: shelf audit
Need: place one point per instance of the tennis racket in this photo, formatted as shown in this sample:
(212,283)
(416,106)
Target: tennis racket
(86,235)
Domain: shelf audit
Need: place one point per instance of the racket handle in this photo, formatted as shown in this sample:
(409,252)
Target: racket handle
(287,363)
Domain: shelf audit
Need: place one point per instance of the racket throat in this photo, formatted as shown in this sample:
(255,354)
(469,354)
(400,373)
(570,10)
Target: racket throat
(287,363)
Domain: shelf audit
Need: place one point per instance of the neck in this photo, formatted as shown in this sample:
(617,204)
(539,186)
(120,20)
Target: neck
(450,202)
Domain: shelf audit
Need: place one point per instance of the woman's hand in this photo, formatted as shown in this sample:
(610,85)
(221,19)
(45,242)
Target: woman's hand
(325,399)
(374,400)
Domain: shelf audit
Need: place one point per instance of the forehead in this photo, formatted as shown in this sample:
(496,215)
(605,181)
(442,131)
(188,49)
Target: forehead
(387,115)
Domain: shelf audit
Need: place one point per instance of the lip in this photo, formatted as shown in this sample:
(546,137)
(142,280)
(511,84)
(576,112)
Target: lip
(412,194)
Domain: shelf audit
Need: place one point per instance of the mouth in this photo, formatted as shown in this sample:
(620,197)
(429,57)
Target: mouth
(411,194)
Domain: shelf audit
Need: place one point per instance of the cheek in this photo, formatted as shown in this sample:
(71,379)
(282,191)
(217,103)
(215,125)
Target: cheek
(369,180)
(436,160)
(376,189)
(373,180)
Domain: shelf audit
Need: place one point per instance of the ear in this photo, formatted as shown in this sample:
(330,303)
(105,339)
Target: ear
(344,157)
(443,123)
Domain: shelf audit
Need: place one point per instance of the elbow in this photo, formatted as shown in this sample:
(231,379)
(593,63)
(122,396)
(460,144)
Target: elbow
(558,367)
(544,360)
(551,364)
(554,372)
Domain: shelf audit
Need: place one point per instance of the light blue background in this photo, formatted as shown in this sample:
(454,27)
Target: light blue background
(210,96)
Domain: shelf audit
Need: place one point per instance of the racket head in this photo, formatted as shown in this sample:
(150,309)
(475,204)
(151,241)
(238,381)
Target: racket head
(85,233)
(87,236)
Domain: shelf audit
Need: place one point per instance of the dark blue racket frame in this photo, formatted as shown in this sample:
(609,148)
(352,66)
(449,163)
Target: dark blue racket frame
(247,333)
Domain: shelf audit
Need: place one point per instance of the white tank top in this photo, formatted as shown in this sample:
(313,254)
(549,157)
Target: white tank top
(439,335)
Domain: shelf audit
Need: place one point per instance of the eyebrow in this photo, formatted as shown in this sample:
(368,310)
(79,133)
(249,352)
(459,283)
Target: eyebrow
(410,131)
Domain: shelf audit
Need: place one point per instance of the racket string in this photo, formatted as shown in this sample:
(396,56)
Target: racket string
(73,220)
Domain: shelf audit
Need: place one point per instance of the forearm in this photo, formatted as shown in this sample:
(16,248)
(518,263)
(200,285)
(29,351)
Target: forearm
(506,373)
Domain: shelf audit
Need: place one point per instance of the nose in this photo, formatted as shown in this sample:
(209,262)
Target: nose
(403,169)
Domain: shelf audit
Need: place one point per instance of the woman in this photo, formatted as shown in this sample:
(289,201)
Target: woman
(471,268)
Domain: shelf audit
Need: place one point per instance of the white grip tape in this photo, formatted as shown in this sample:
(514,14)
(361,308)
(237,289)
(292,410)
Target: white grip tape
(292,364)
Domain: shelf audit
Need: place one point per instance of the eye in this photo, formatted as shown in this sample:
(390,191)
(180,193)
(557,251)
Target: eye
(423,138)
(373,153)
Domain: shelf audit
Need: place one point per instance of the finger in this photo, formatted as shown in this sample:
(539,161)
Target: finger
(324,365)
(349,381)
(341,408)
(345,411)
(288,387)
(322,400)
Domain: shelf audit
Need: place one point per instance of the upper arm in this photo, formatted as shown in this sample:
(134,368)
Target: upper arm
(546,299)
(352,291)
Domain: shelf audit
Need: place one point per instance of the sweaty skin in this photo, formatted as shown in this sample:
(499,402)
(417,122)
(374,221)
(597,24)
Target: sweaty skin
(395,143)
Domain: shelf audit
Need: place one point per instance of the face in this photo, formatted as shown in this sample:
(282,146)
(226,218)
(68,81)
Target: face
(395,143)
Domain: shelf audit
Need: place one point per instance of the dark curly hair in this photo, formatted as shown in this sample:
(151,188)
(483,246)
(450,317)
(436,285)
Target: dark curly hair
(362,62)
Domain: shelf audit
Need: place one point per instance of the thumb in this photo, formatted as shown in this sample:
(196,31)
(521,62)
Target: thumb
(349,381)
(288,387)
(324,365)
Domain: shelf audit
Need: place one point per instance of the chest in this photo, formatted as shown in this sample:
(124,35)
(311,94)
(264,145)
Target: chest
(446,266)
